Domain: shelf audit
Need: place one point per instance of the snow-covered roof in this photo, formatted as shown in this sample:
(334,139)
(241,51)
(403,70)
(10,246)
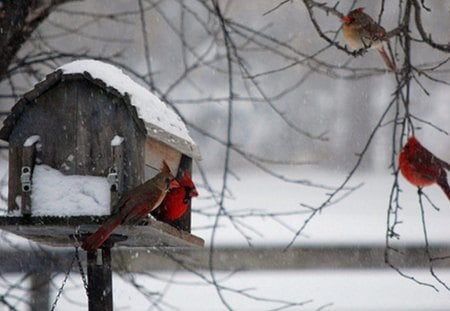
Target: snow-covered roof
(161,122)
(157,116)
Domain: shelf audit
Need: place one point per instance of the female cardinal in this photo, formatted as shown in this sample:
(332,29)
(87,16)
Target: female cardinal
(362,32)
(422,168)
(133,206)
(177,200)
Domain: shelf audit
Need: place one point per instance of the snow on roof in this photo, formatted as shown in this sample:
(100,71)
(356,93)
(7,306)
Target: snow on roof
(157,116)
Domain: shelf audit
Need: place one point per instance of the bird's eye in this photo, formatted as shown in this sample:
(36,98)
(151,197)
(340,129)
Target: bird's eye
(167,180)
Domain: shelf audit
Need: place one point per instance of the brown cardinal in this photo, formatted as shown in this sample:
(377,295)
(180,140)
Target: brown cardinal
(133,206)
(362,32)
(177,200)
(422,168)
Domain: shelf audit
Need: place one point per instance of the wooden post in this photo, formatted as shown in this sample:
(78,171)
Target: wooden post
(115,176)
(100,279)
(26,174)
(40,290)
(14,188)
(184,223)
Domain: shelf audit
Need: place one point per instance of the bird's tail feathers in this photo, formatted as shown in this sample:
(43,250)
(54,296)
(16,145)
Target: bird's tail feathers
(387,60)
(95,240)
(443,183)
(445,165)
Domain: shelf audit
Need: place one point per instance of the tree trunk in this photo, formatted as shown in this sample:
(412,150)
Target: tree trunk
(18,20)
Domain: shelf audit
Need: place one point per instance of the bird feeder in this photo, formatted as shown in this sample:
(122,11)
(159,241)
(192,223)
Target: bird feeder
(77,141)
(80,139)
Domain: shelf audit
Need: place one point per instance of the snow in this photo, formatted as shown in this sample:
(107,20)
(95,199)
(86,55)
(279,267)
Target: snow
(359,219)
(353,221)
(340,290)
(55,194)
(30,141)
(117,140)
(149,107)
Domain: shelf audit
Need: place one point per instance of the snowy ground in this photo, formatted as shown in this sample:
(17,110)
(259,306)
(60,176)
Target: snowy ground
(360,219)
(343,290)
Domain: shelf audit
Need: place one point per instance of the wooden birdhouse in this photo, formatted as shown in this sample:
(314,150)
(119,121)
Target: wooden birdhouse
(80,139)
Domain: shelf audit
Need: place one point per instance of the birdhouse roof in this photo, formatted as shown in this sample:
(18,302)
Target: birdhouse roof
(161,122)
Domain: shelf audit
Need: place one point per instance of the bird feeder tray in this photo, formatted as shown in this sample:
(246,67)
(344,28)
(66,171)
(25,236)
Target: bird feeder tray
(67,231)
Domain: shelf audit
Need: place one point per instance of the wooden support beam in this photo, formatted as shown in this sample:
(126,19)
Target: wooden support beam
(226,259)
(300,258)
(184,223)
(40,290)
(28,157)
(100,280)
(63,231)
(115,176)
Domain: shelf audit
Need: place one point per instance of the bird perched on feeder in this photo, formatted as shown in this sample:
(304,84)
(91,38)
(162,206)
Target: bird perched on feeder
(362,32)
(134,206)
(177,200)
(422,168)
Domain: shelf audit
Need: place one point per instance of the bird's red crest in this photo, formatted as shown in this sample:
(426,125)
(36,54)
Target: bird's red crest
(186,179)
(412,140)
(350,18)
(346,19)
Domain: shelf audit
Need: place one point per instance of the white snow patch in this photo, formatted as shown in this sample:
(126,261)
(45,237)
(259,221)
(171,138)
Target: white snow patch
(30,141)
(344,289)
(55,194)
(149,107)
(117,140)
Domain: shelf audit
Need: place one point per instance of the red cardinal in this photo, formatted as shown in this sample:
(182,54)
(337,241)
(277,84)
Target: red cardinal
(133,206)
(177,200)
(362,32)
(422,168)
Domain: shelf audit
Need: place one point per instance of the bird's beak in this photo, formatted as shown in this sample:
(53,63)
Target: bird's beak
(194,193)
(346,19)
(174,184)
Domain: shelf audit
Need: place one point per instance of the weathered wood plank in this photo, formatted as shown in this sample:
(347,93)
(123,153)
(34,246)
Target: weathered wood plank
(231,259)
(156,152)
(40,290)
(184,222)
(15,163)
(116,172)
(28,154)
(61,231)
(275,258)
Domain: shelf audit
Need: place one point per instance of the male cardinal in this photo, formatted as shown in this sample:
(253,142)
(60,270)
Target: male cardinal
(362,32)
(177,200)
(422,168)
(133,206)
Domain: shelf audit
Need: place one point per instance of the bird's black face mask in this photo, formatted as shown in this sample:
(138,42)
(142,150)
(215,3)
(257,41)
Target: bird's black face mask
(187,196)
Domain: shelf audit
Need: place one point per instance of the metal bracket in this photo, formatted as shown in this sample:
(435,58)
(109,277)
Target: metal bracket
(25,179)
(113,179)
